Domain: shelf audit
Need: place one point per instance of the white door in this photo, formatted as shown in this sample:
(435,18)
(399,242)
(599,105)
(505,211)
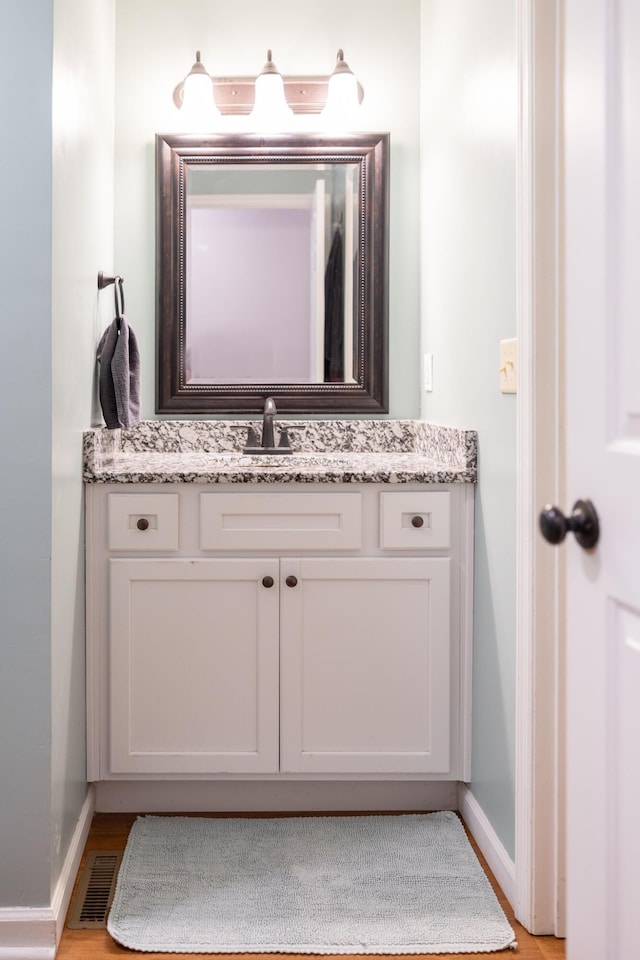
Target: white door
(194,666)
(602,290)
(366,666)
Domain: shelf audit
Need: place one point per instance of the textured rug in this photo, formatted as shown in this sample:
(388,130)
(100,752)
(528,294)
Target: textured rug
(363,884)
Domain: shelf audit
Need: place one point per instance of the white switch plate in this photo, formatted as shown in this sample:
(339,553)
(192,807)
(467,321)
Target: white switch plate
(508,366)
(428,372)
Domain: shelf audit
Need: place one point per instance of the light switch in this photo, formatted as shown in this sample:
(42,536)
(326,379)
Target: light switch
(508,366)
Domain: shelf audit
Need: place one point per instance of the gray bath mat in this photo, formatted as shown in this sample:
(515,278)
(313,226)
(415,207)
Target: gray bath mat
(364,884)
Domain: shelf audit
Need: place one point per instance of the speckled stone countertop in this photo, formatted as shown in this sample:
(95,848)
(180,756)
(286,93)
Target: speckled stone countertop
(325,451)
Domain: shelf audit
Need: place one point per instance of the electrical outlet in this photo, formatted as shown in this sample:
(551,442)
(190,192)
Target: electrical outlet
(508,366)
(428,372)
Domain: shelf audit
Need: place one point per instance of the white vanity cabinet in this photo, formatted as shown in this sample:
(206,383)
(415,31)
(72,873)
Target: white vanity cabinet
(295,631)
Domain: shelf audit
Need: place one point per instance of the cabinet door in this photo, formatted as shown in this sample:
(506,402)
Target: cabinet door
(365,666)
(194,666)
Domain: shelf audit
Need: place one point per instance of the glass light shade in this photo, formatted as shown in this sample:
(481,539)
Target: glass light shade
(343,100)
(270,110)
(198,105)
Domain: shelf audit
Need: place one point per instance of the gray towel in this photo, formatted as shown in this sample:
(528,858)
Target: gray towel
(119,360)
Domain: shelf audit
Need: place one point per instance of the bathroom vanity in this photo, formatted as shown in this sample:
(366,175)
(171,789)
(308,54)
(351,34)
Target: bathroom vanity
(299,617)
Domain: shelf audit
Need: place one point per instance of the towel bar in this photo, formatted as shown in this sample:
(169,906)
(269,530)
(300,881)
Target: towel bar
(105,280)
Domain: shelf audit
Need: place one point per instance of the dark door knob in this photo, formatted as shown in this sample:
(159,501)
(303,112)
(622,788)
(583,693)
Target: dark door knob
(268,581)
(291,581)
(143,524)
(583,522)
(417,521)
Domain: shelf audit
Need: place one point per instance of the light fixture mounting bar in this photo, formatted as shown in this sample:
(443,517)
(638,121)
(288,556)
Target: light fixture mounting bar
(303,94)
(235,95)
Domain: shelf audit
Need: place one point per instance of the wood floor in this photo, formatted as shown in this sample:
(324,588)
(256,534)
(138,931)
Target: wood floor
(109,831)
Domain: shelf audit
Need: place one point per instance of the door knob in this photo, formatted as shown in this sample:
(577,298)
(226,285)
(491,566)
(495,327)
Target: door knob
(268,581)
(291,581)
(583,522)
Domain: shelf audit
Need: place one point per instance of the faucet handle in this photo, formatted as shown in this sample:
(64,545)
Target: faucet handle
(270,406)
(252,441)
(283,443)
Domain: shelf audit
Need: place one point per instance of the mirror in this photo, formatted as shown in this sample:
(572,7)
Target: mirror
(271,273)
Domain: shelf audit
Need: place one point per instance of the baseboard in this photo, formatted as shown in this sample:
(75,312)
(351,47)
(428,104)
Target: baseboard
(33,933)
(27,933)
(500,863)
(64,886)
(28,953)
(197,796)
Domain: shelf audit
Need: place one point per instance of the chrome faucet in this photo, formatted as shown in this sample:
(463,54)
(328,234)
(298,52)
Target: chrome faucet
(268,444)
(268,414)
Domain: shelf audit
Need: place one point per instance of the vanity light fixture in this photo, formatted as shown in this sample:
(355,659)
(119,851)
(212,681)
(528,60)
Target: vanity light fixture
(241,96)
(195,96)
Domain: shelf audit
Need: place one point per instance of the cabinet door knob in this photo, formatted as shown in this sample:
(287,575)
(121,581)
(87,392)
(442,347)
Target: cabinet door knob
(417,521)
(291,581)
(142,524)
(268,581)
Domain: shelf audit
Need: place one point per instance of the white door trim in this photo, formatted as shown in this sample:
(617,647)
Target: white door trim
(538,771)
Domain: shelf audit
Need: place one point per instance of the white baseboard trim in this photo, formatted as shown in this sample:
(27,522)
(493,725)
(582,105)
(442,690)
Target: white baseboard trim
(27,953)
(500,863)
(27,933)
(33,933)
(67,878)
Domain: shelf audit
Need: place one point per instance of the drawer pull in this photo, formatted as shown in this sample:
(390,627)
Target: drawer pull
(417,521)
(143,524)
(291,581)
(268,581)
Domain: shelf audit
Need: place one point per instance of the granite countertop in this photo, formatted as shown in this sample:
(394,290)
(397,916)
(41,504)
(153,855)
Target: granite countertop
(325,451)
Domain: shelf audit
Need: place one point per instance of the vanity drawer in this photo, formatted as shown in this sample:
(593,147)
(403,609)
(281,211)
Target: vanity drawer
(415,521)
(280,521)
(143,521)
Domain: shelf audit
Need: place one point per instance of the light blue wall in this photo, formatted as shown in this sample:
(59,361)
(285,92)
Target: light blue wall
(25,434)
(155,47)
(469,97)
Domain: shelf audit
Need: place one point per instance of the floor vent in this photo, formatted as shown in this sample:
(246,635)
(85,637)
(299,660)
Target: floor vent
(96,887)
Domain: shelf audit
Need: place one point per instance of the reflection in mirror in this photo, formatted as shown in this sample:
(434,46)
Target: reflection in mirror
(271,273)
(296,229)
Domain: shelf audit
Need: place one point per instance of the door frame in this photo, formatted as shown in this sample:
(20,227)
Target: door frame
(539,760)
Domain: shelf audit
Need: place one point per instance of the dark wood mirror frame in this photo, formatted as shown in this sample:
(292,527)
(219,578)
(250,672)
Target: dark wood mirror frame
(174,154)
